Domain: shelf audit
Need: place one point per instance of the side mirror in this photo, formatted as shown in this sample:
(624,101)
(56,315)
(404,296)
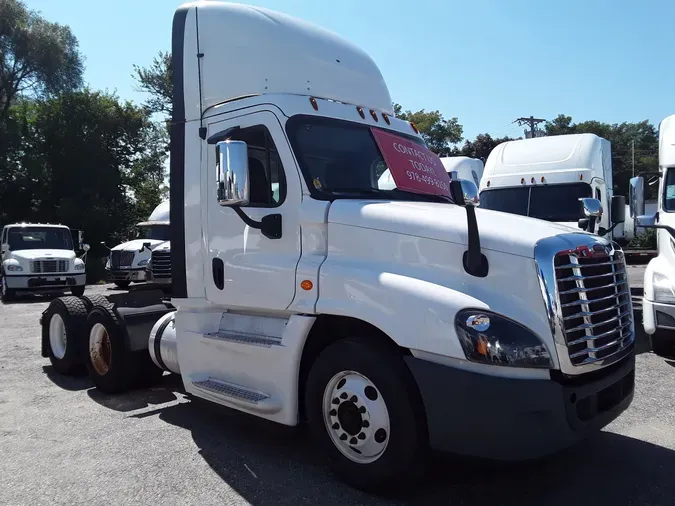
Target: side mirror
(592,210)
(636,196)
(618,209)
(232,173)
(592,207)
(464,192)
(86,247)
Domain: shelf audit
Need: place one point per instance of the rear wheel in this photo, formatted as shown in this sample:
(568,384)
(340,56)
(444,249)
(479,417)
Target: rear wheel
(122,284)
(111,366)
(62,330)
(365,411)
(663,343)
(94,300)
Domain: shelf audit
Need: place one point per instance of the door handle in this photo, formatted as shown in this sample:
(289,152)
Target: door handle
(218,271)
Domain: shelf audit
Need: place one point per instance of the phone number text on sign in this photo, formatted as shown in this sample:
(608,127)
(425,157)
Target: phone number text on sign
(413,167)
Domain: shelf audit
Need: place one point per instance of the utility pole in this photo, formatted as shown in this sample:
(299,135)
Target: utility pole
(532,122)
(632,148)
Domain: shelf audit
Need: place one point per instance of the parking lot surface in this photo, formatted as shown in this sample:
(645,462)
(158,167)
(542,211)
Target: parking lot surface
(62,442)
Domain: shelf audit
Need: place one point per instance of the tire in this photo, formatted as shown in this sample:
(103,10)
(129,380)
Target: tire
(663,343)
(398,431)
(6,294)
(78,291)
(94,300)
(111,366)
(123,285)
(62,334)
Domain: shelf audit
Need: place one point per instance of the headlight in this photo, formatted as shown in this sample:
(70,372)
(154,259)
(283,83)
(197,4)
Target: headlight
(142,263)
(107,264)
(13,268)
(663,289)
(489,338)
(79,266)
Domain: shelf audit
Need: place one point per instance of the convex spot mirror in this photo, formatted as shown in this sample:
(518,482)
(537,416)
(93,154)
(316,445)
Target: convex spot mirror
(232,174)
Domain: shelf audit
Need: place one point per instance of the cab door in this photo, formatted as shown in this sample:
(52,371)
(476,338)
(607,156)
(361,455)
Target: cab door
(244,268)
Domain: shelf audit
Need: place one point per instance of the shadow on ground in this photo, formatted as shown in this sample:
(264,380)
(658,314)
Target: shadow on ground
(72,383)
(163,392)
(270,464)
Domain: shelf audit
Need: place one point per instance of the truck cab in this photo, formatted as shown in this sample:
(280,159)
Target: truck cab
(545,178)
(465,167)
(127,262)
(658,303)
(392,321)
(158,270)
(41,258)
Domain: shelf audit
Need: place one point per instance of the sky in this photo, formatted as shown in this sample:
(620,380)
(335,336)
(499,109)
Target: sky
(486,62)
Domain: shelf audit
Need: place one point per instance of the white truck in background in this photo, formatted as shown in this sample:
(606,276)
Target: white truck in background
(127,262)
(658,302)
(391,321)
(41,258)
(465,167)
(158,270)
(544,177)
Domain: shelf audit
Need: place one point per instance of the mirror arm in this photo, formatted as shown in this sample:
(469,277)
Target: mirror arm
(269,226)
(670,230)
(475,263)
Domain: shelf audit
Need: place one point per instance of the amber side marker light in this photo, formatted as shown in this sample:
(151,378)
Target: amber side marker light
(414,127)
(306,285)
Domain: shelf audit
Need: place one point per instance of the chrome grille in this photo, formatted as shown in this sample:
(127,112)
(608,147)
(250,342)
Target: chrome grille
(161,264)
(48,266)
(121,259)
(594,302)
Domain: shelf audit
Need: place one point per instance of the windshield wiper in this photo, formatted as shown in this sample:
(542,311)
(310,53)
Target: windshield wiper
(396,193)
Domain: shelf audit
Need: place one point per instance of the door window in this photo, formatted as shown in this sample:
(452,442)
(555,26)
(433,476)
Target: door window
(267,183)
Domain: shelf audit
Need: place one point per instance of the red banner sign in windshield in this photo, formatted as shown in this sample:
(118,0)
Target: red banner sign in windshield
(413,167)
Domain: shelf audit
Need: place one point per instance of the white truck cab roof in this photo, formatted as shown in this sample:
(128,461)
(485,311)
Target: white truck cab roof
(281,55)
(667,142)
(558,159)
(41,225)
(159,216)
(465,166)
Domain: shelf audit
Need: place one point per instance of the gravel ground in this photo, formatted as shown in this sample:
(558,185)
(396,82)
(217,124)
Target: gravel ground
(61,442)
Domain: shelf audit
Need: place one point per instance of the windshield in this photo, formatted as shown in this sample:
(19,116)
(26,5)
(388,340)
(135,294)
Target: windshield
(153,232)
(551,203)
(20,238)
(341,159)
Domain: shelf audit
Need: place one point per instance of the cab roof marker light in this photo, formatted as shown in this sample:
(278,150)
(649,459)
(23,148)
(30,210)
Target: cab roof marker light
(542,179)
(532,180)
(374,115)
(414,127)
(522,180)
(361,113)
(386,118)
(312,101)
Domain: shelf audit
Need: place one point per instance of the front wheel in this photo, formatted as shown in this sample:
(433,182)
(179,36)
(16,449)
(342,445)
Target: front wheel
(364,409)
(7,294)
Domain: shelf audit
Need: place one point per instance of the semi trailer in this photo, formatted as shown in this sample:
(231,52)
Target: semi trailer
(391,321)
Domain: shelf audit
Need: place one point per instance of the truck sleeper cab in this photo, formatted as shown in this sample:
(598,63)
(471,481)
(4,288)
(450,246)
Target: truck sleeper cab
(40,258)
(302,292)
(545,178)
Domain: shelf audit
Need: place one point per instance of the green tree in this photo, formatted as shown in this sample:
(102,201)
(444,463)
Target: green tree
(38,58)
(439,133)
(627,139)
(480,147)
(156,80)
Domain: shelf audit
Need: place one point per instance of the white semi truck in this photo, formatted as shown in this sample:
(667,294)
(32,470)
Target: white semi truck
(41,258)
(465,167)
(127,262)
(393,321)
(658,303)
(545,177)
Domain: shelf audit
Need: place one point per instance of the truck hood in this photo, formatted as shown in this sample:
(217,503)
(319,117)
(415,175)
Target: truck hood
(503,232)
(43,254)
(136,245)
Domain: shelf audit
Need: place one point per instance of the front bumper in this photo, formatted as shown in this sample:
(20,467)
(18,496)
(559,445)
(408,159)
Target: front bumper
(136,274)
(518,419)
(657,315)
(41,282)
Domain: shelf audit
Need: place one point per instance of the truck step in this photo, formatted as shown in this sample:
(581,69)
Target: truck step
(231,390)
(244,338)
